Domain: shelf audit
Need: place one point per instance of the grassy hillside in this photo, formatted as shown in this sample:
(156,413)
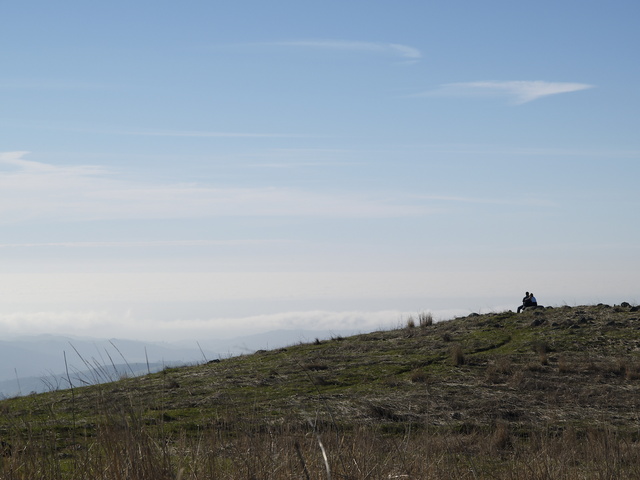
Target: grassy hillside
(549,393)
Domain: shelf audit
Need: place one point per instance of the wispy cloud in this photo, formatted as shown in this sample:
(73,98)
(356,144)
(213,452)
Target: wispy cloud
(139,132)
(305,158)
(486,149)
(518,92)
(393,49)
(22,166)
(31,190)
(540,202)
(143,244)
(285,165)
(49,84)
(149,133)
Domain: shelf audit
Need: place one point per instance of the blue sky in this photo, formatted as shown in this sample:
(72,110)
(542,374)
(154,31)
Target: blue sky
(217,168)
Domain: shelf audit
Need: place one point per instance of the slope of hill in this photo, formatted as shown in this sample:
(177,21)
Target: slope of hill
(39,363)
(549,393)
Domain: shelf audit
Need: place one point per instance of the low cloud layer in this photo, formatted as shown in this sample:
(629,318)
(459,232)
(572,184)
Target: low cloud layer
(112,324)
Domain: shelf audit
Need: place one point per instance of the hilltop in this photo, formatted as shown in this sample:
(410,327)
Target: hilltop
(488,387)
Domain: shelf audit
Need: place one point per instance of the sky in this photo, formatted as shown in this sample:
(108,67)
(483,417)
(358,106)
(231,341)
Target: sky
(198,169)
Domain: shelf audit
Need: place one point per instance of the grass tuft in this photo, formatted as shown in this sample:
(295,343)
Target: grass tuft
(457,355)
(425,319)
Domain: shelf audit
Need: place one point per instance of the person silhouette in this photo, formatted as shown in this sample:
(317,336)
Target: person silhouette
(525,301)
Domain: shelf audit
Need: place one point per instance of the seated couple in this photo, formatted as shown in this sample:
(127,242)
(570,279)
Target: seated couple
(528,301)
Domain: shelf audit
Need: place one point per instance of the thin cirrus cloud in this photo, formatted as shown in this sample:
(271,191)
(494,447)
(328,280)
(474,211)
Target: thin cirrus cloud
(174,133)
(204,134)
(144,244)
(51,84)
(394,49)
(518,92)
(31,190)
(539,202)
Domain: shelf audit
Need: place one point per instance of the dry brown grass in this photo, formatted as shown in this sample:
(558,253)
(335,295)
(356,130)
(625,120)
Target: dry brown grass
(279,452)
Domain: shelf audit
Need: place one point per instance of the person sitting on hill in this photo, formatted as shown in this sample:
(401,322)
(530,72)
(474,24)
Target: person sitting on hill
(532,301)
(525,302)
